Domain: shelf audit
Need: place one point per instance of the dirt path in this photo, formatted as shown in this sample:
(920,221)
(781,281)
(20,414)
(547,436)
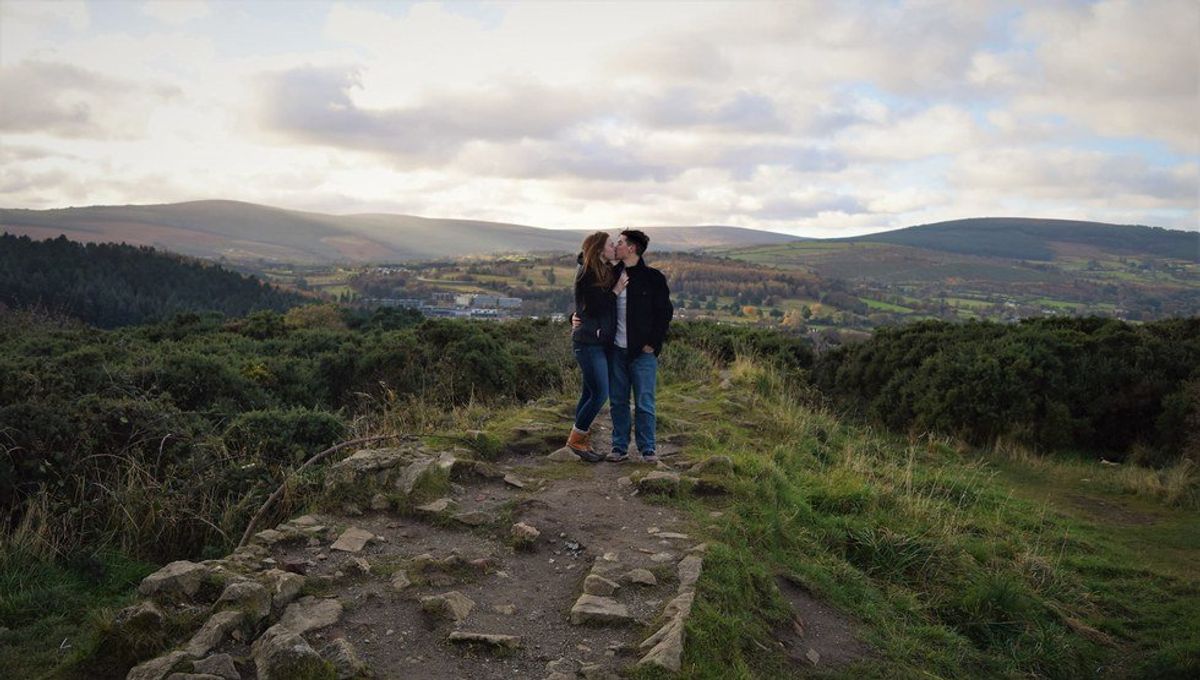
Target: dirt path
(596,535)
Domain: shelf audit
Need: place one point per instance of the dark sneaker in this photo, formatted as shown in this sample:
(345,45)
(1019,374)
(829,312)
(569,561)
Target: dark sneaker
(617,457)
(587,455)
(650,457)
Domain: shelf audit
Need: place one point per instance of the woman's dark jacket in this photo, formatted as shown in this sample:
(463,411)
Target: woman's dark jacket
(596,307)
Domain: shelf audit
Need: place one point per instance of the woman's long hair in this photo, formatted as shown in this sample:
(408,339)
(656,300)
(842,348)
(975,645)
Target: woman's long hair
(593,260)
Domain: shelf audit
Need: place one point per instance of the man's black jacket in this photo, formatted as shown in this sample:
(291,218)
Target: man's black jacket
(648,309)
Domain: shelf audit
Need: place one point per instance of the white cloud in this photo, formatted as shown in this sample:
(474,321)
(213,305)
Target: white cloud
(176,12)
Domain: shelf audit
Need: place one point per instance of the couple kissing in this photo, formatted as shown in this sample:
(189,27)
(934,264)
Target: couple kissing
(622,312)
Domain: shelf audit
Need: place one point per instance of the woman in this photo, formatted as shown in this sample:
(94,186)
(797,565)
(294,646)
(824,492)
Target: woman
(595,305)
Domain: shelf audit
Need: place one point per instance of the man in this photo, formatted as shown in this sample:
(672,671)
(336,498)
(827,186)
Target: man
(644,312)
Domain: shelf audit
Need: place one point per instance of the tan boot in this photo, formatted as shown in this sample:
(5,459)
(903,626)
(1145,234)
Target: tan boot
(580,443)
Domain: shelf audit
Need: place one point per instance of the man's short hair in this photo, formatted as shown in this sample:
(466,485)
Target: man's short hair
(638,239)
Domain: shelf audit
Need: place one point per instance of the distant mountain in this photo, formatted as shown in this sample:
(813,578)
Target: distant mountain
(1038,239)
(110,285)
(246,231)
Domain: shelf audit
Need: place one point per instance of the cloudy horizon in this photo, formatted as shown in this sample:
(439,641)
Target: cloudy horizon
(814,119)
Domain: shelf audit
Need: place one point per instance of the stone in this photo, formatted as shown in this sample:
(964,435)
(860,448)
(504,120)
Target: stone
(283,586)
(489,639)
(213,632)
(434,507)
(659,481)
(309,613)
(666,644)
(598,585)
(714,465)
(181,578)
(344,659)
(595,671)
(379,502)
(524,535)
(352,540)
(412,475)
(474,518)
(220,665)
(400,580)
(160,667)
(601,610)
(281,654)
(689,572)
(268,537)
(563,455)
(245,596)
(452,605)
(643,577)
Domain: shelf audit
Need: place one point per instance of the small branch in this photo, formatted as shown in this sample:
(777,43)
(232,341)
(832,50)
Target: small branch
(283,485)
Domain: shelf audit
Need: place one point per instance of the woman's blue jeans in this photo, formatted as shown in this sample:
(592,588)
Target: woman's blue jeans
(593,361)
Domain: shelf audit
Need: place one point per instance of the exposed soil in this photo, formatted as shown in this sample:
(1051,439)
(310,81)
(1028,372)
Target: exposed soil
(582,511)
(818,634)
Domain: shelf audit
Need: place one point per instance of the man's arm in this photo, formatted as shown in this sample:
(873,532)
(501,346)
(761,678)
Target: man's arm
(663,311)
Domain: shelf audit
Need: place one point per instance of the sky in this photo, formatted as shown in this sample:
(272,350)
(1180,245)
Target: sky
(811,118)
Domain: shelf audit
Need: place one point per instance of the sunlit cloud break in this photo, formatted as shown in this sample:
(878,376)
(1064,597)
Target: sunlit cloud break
(812,118)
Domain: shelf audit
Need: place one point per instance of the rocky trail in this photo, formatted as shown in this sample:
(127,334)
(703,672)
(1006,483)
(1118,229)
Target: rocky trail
(440,564)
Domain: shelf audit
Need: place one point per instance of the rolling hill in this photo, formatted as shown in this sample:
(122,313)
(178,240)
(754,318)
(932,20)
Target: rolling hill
(1039,239)
(246,231)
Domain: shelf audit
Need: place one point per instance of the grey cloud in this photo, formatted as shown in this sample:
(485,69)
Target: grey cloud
(684,107)
(314,104)
(67,100)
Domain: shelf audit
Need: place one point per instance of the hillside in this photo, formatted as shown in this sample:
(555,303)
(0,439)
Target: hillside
(246,231)
(111,284)
(775,540)
(1041,239)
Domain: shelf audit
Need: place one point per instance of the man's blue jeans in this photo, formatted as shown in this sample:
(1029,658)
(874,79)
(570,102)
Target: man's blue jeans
(593,361)
(641,375)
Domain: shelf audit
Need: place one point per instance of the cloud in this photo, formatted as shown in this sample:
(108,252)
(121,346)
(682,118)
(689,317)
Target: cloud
(69,101)
(176,12)
(316,105)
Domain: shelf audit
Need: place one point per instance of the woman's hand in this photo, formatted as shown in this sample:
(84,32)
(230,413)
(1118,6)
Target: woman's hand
(621,283)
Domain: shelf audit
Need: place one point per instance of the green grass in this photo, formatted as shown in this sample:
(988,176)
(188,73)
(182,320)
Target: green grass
(885,306)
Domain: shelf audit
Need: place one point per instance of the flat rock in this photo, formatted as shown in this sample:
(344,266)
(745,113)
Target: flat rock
(177,578)
(159,667)
(352,540)
(220,665)
(309,613)
(452,605)
(246,596)
(563,455)
(595,584)
(489,639)
(595,609)
(213,632)
(689,572)
(474,518)
(435,507)
(283,586)
(643,577)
